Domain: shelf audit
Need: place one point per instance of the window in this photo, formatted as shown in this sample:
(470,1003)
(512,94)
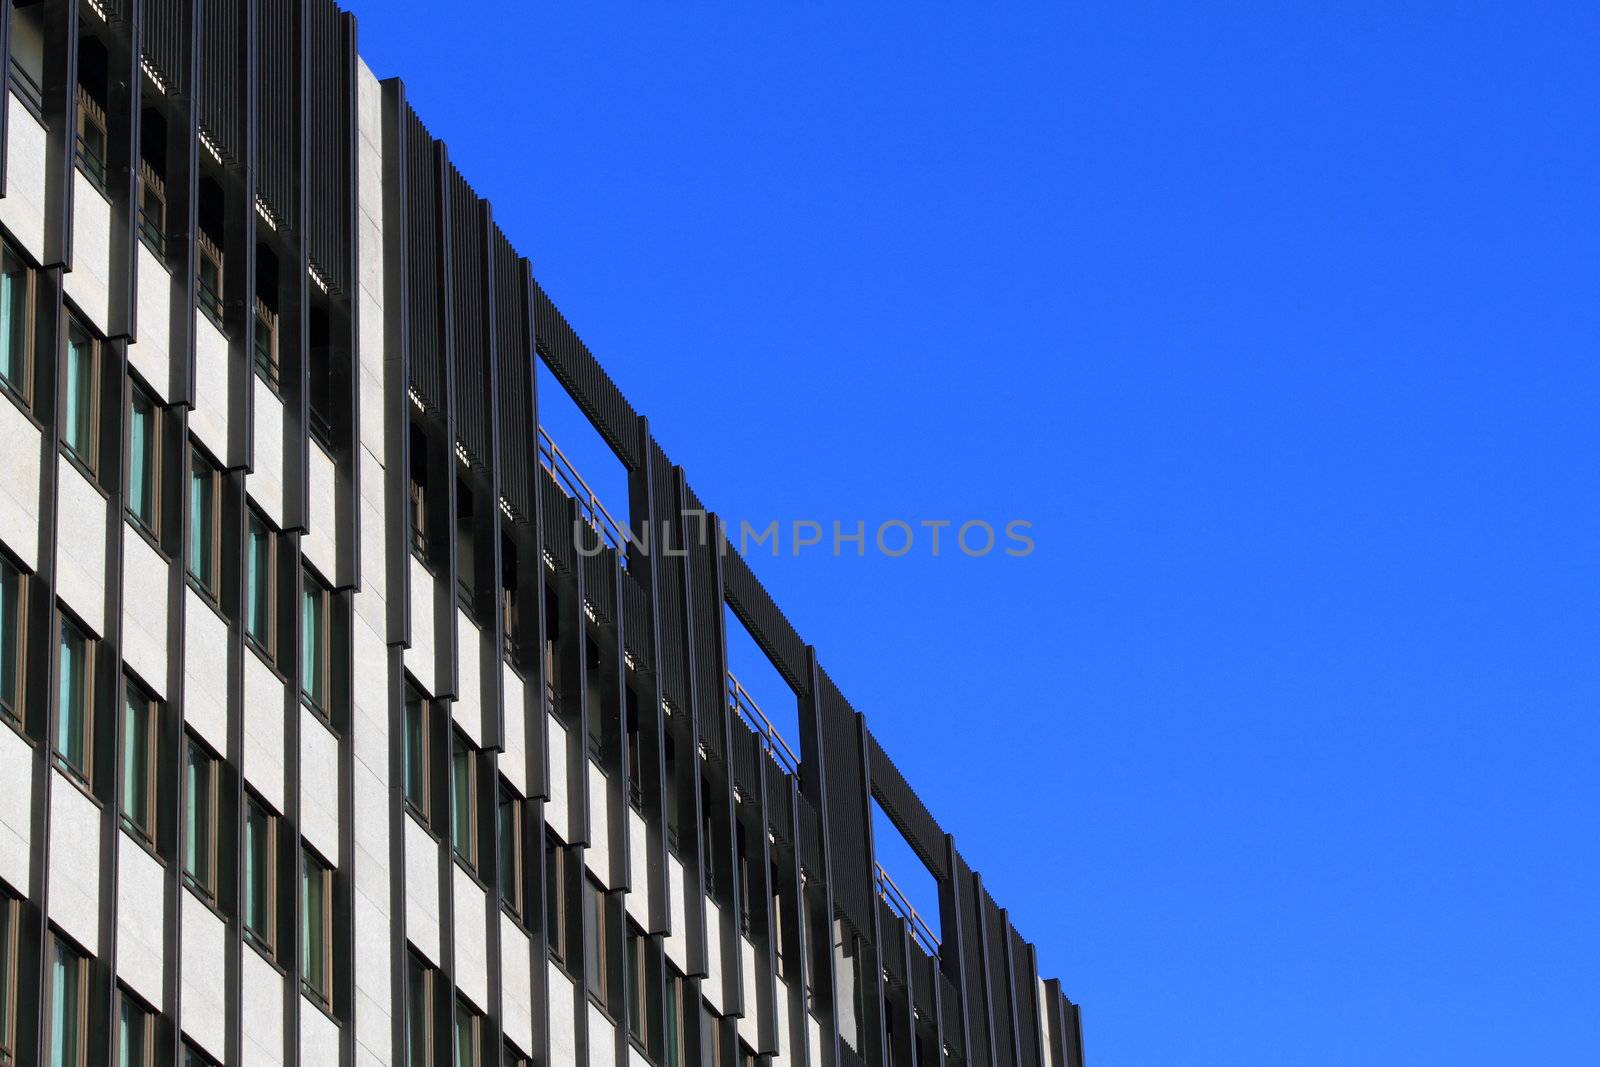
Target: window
(467,1025)
(710,1036)
(555,897)
(419,1012)
(464,801)
(596,943)
(138,757)
(509,825)
(136,1033)
(10,922)
(210,276)
(638,1001)
(73,707)
(260,875)
(193,1057)
(316,930)
(152,209)
(200,818)
(260,573)
(78,393)
(92,137)
(69,1002)
(417,754)
(144,465)
(314,642)
(266,344)
(16,317)
(12,616)
(416,491)
(673,998)
(635,755)
(204,506)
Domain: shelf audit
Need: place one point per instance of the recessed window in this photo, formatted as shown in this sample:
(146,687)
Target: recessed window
(136,1033)
(92,137)
(468,1024)
(314,642)
(509,826)
(193,1057)
(416,492)
(260,875)
(260,578)
(16,286)
(419,1012)
(199,818)
(464,801)
(418,753)
(210,276)
(316,928)
(673,1007)
(79,392)
(138,757)
(12,589)
(74,705)
(555,898)
(596,943)
(152,209)
(638,983)
(10,933)
(204,506)
(266,344)
(144,464)
(711,1035)
(69,1003)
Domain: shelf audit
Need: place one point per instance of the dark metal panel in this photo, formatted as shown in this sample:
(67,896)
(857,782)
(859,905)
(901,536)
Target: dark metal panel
(164,42)
(470,293)
(330,231)
(277,100)
(1025,990)
(513,328)
(765,621)
(577,369)
(975,984)
(424,253)
(906,809)
(848,826)
(997,970)
(222,77)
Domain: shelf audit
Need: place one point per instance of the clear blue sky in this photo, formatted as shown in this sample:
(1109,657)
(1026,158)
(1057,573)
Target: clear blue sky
(1280,324)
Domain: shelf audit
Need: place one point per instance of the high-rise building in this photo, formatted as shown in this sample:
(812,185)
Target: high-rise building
(344,723)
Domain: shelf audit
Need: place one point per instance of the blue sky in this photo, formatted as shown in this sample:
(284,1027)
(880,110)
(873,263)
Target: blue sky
(1278,323)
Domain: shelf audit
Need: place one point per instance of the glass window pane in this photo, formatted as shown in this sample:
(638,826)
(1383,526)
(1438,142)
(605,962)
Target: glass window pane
(466,1044)
(313,936)
(136,761)
(64,1007)
(197,809)
(311,642)
(72,706)
(13,321)
(461,801)
(417,1011)
(77,387)
(257,872)
(509,852)
(10,631)
(141,459)
(415,761)
(131,1030)
(200,505)
(258,582)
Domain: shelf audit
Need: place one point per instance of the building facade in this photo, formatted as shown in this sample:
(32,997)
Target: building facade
(344,724)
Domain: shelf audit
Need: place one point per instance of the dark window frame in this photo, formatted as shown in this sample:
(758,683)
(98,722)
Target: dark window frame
(513,889)
(203,470)
(19,386)
(268,365)
(86,452)
(204,883)
(463,750)
(144,829)
(207,295)
(318,986)
(10,938)
(313,588)
(138,393)
(421,807)
(92,119)
(267,941)
(60,946)
(152,189)
(558,912)
(14,708)
(265,643)
(81,770)
(147,1026)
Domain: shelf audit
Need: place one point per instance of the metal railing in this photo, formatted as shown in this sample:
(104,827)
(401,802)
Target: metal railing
(900,904)
(571,482)
(743,704)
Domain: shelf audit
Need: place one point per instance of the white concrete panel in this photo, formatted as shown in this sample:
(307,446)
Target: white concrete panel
(556,811)
(322,492)
(205,692)
(75,863)
(319,1036)
(514,762)
(1041,999)
(597,858)
(151,356)
(467,710)
(264,483)
(602,1039)
(372,976)
(141,921)
(263,729)
(422,890)
(780,1016)
(370,699)
(638,898)
(472,932)
(16,815)
(749,1025)
(88,283)
(81,547)
(20,443)
(677,940)
(144,611)
(563,1028)
(262,1003)
(371,600)
(22,208)
(813,1041)
(213,371)
(202,976)
(516,985)
(712,986)
(635,1057)
(419,657)
(319,786)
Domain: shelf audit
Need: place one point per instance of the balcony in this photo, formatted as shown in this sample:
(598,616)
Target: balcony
(772,742)
(898,903)
(590,509)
